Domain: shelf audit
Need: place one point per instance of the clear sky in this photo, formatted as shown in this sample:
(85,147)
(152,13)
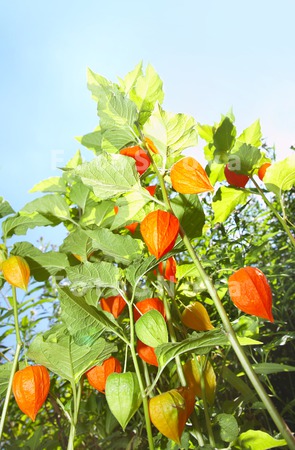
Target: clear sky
(211,55)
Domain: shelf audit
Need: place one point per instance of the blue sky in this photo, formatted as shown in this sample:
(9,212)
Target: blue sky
(211,56)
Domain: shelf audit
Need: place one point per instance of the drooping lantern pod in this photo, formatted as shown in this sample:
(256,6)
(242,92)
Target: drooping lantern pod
(114,304)
(97,375)
(146,353)
(16,272)
(250,292)
(196,317)
(188,177)
(168,269)
(142,160)
(30,388)
(143,306)
(262,170)
(159,230)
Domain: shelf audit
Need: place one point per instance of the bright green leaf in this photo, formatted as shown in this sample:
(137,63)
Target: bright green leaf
(131,78)
(226,200)
(280,176)
(146,91)
(171,133)
(53,184)
(252,135)
(258,440)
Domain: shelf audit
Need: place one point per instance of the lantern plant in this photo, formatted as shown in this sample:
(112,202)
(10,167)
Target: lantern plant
(161,291)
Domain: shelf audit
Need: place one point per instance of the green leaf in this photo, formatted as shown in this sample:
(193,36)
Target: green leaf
(280,176)
(189,211)
(88,275)
(99,86)
(5,208)
(84,322)
(115,138)
(252,135)
(139,268)
(51,206)
(229,428)
(92,141)
(224,138)
(244,340)
(116,110)
(171,133)
(109,175)
(131,78)
(53,184)
(21,222)
(57,351)
(146,91)
(5,370)
(247,394)
(77,243)
(42,265)
(268,368)
(206,132)
(132,207)
(215,172)
(186,270)
(74,162)
(200,343)
(244,158)
(258,440)
(151,328)
(123,396)
(123,249)
(79,194)
(99,213)
(226,200)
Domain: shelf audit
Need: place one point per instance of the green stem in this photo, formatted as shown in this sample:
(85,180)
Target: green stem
(196,431)
(74,416)
(140,382)
(275,212)
(9,388)
(173,339)
(19,345)
(278,420)
(205,404)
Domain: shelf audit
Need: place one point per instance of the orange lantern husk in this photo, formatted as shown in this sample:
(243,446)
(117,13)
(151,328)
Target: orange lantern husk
(250,292)
(159,230)
(189,177)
